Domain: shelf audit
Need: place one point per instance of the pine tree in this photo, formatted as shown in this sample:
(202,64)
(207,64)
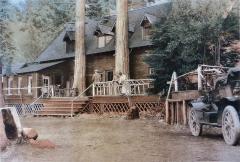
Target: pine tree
(41,22)
(94,9)
(189,37)
(6,41)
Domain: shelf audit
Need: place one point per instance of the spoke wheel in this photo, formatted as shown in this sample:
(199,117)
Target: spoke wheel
(195,126)
(230,125)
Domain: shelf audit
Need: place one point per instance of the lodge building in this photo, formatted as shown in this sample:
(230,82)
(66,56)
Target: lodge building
(55,65)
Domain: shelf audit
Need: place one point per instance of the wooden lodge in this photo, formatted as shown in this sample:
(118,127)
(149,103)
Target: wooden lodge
(51,74)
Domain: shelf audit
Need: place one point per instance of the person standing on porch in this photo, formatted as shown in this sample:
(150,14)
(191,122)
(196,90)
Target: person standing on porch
(115,84)
(96,77)
(122,82)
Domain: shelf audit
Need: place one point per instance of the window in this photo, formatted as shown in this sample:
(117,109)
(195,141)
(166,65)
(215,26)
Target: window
(19,84)
(58,79)
(104,40)
(146,33)
(10,81)
(30,85)
(109,75)
(101,42)
(46,81)
(70,46)
(152,71)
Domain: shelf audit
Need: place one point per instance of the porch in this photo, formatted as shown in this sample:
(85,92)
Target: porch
(102,97)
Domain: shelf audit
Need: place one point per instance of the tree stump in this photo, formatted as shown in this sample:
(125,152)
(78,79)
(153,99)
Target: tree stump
(133,113)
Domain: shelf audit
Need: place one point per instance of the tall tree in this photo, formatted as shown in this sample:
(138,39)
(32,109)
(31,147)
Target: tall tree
(94,9)
(40,21)
(122,50)
(80,57)
(189,37)
(6,41)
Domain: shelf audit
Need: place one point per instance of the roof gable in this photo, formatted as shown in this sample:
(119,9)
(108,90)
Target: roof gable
(57,49)
(150,18)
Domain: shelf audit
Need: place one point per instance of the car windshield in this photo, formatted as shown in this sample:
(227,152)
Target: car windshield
(235,86)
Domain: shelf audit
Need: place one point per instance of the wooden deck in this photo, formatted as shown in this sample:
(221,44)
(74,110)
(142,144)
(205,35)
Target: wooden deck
(121,104)
(65,107)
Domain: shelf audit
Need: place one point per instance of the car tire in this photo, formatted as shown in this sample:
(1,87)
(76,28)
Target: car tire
(195,126)
(230,125)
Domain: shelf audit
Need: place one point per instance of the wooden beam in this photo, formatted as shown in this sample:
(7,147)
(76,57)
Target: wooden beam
(184,108)
(167,111)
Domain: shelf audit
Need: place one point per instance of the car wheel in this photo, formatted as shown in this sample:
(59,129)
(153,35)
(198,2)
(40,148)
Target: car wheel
(230,125)
(195,126)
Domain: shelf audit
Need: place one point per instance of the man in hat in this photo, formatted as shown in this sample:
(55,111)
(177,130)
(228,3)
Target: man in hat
(96,77)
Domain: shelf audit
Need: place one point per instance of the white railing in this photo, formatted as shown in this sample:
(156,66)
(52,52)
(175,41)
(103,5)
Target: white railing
(132,87)
(46,91)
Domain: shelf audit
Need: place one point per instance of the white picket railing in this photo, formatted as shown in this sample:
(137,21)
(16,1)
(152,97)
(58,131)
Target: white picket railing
(47,92)
(132,87)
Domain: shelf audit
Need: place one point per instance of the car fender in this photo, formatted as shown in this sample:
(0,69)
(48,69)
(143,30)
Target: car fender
(199,106)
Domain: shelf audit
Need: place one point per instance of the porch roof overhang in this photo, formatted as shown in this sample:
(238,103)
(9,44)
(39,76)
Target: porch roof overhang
(37,67)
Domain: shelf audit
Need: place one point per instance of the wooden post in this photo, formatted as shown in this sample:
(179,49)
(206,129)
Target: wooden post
(93,90)
(177,113)
(172,114)
(122,50)
(167,111)
(199,70)
(175,81)
(184,108)
(80,58)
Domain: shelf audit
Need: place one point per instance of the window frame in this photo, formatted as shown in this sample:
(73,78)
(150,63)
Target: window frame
(30,84)
(19,85)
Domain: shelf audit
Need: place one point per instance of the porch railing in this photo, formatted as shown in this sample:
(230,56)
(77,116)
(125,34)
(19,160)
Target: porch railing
(45,92)
(132,87)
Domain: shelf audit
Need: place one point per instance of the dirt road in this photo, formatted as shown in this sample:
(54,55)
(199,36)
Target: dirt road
(118,140)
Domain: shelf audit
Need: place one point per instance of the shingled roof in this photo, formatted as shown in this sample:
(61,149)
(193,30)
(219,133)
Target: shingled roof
(57,49)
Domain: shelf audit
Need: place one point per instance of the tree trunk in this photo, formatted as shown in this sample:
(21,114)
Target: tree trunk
(122,51)
(80,58)
(2,103)
(229,8)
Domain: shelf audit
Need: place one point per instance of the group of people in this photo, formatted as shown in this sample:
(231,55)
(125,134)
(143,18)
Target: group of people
(118,81)
(120,77)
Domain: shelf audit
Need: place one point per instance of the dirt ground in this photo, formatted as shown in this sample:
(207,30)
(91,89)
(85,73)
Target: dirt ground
(94,139)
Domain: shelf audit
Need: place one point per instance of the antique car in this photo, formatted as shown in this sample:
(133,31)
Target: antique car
(219,107)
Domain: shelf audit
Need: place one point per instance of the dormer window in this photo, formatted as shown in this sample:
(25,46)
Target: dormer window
(104,40)
(69,38)
(146,33)
(70,46)
(146,24)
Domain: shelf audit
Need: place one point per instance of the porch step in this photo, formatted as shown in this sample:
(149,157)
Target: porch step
(55,115)
(56,111)
(62,106)
(60,109)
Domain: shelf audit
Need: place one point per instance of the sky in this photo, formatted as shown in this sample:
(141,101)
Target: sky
(16,1)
